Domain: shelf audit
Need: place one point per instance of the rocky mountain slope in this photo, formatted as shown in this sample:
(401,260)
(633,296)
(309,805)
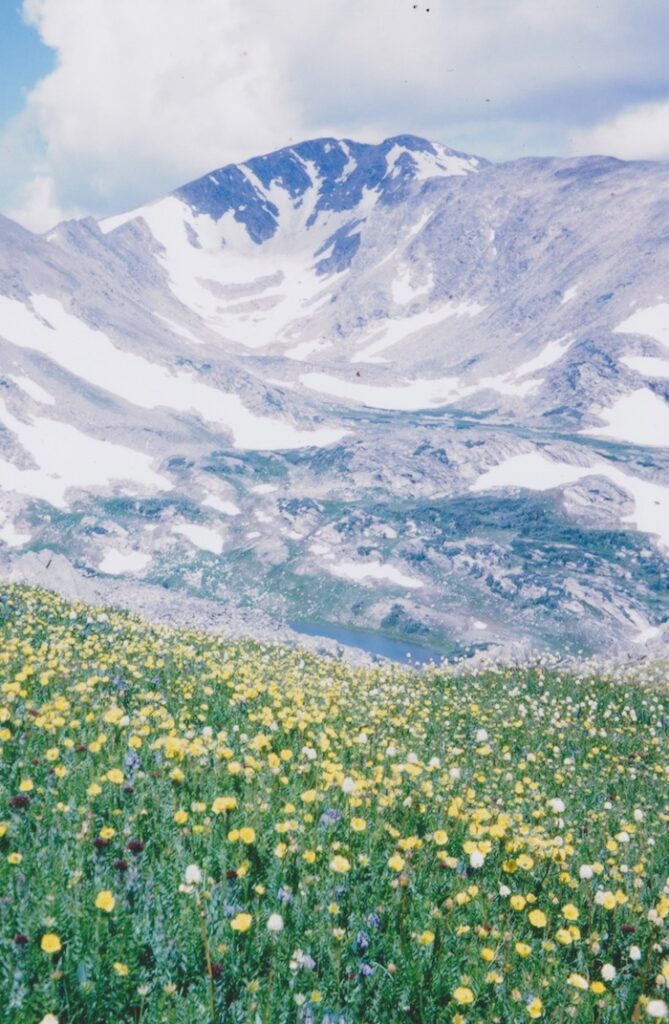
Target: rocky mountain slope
(394,387)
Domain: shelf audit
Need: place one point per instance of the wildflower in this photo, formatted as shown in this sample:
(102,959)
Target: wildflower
(340,865)
(49,1018)
(50,943)
(570,912)
(463,995)
(241,922)
(193,875)
(275,923)
(535,1008)
(396,862)
(522,949)
(537,918)
(577,981)
(105,901)
(358,824)
(440,838)
(657,1009)
(120,968)
(329,818)
(14,858)
(608,972)
(223,803)
(426,938)
(247,835)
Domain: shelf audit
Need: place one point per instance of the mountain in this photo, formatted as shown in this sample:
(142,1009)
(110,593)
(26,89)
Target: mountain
(390,387)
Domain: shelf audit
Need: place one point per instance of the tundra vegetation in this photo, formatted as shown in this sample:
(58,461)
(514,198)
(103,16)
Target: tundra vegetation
(196,831)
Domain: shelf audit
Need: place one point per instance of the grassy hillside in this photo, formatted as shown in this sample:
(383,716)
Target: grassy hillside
(194,831)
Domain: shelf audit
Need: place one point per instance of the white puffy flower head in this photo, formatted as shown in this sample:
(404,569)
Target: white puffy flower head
(193,875)
(476,859)
(657,1009)
(585,871)
(275,923)
(608,972)
(556,805)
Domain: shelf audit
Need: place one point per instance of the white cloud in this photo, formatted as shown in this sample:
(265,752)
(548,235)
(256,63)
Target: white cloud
(35,205)
(146,95)
(636,133)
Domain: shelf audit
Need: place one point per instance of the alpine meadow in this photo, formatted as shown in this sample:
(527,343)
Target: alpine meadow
(334,512)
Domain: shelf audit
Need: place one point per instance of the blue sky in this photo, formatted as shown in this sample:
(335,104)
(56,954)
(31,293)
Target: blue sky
(23,59)
(105,104)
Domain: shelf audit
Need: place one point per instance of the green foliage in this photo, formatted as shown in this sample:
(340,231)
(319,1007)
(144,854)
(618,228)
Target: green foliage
(196,831)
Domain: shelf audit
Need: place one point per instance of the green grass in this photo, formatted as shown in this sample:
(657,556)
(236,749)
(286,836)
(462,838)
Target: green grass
(405,828)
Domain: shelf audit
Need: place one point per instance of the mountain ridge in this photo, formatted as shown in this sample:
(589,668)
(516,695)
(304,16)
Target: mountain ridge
(390,396)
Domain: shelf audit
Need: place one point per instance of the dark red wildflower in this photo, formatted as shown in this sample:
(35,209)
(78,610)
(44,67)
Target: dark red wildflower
(99,843)
(135,846)
(121,865)
(21,939)
(20,801)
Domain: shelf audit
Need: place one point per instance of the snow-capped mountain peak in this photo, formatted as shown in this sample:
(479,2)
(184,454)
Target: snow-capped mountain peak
(394,380)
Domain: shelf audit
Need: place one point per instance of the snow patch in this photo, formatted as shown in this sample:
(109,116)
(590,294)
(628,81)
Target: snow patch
(403,328)
(201,536)
(535,472)
(67,458)
(90,355)
(228,508)
(417,394)
(34,391)
(638,418)
(179,329)
(652,321)
(362,571)
(403,288)
(648,366)
(117,563)
(12,537)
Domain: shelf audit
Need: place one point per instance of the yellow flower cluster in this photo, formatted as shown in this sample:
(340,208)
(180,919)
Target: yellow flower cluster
(483,845)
